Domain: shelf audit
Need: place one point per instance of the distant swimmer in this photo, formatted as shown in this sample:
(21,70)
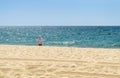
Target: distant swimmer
(40,41)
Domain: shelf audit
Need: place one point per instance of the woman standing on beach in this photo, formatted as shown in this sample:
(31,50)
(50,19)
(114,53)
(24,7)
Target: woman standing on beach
(40,41)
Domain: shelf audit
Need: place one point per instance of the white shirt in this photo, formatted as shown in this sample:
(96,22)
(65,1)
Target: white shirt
(40,40)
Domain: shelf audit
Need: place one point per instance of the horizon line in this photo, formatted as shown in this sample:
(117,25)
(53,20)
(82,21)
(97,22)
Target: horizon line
(59,25)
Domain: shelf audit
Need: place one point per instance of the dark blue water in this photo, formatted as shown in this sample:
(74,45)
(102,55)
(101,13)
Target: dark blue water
(75,36)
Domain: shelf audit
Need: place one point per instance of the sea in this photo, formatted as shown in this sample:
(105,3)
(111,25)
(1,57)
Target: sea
(65,36)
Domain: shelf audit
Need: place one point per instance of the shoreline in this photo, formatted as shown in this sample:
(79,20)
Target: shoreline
(58,46)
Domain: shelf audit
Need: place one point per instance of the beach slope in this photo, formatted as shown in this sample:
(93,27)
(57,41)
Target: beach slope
(58,62)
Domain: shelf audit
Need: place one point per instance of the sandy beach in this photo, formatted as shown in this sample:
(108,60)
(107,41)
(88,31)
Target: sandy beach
(58,62)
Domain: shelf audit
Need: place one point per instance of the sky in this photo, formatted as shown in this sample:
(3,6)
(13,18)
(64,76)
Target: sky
(59,12)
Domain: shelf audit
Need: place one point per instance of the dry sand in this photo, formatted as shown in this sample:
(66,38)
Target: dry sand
(58,62)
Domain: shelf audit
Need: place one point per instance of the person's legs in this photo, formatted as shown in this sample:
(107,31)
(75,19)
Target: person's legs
(39,44)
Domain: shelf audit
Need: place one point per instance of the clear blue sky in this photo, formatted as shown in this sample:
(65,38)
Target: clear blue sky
(59,12)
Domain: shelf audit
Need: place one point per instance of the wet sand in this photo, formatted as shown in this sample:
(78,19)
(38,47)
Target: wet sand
(58,62)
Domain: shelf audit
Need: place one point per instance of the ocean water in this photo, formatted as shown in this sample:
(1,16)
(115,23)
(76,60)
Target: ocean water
(70,36)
